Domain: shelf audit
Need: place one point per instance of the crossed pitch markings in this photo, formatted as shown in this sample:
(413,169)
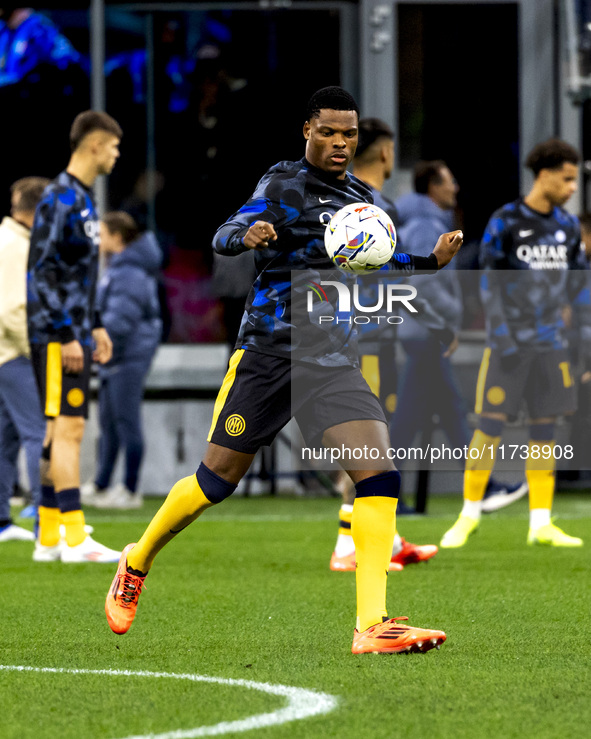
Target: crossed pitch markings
(301,703)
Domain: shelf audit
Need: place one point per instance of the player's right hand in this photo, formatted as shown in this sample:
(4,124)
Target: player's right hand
(259,235)
(447,247)
(72,357)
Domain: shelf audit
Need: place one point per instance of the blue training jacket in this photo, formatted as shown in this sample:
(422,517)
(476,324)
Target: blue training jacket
(127,299)
(421,224)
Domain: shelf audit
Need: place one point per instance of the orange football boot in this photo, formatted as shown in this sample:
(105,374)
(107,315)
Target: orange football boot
(123,595)
(411,553)
(347,564)
(390,637)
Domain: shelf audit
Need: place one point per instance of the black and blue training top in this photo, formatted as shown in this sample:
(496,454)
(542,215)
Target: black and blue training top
(532,268)
(63,264)
(299,200)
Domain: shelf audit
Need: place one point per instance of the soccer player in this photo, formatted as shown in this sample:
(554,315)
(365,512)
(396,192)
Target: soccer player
(373,164)
(282,369)
(63,267)
(536,243)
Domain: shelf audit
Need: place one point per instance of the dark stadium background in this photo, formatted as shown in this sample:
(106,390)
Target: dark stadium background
(230,88)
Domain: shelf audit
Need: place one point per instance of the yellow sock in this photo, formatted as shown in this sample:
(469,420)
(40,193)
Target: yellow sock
(74,523)
(373,526)
(184,504)
(478,471)
(540,477)
(49,526)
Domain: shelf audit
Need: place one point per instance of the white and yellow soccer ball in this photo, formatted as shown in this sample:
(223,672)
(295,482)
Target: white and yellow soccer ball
(360,238)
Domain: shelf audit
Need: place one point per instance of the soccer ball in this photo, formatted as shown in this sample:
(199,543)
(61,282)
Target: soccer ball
(360,238)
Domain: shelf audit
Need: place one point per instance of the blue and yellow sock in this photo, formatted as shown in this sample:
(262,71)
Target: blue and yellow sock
(71,515)
(373,527)
(186,501)
(49,517)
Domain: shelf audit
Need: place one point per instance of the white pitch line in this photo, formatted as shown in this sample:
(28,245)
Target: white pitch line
(301,703)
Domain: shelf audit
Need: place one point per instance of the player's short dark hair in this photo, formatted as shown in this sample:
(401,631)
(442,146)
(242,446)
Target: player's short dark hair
(585,221)
(89,121)
(30,190)
(331,98)
(120,222)
(428,173)
(551,154)
(370,131)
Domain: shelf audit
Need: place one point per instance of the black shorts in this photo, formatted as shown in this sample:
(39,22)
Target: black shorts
(542,379)
(61,393)
(260,394)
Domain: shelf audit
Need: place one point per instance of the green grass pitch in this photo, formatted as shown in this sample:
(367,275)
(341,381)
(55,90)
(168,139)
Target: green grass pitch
(246,594)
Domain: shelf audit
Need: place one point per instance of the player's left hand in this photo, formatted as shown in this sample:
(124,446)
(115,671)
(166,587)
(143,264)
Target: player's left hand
(447,247)
(103,346)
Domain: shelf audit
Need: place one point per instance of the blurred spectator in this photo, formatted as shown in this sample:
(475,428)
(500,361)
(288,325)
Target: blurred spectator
(21,420)
(41,73)
(28,40)
(424,214)
(150,185)
(128,303)
(207,129)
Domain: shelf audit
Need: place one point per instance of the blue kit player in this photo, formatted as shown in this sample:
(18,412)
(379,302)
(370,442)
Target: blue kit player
(530,254)
(66,334)
(279,370)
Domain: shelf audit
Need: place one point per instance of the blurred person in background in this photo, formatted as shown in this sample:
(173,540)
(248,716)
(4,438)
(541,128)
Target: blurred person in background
(374,165)
(21,420)
(29,40)
(530,256)
(428,384)
(38,67)
(127,300)
(63,327)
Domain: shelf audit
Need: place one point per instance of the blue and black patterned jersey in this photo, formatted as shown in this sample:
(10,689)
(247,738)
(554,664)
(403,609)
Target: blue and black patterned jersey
(532,269)
(299,200)
(63,264)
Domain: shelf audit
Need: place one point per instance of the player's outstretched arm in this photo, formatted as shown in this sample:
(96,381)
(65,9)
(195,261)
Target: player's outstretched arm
(447,246)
